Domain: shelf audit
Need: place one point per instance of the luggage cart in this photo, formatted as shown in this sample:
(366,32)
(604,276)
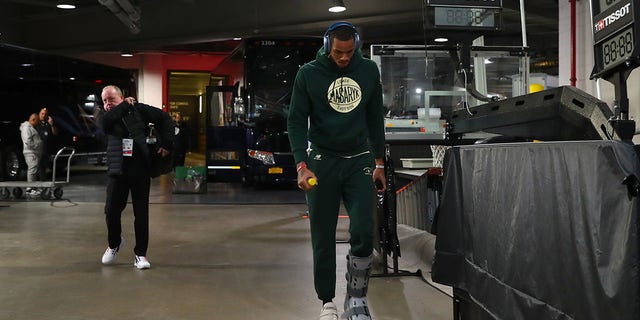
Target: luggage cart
(48,188)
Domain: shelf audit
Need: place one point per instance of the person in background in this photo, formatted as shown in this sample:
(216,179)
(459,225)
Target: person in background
(125,123)
(182,142)
(32,149)
(47,129)
(336,105)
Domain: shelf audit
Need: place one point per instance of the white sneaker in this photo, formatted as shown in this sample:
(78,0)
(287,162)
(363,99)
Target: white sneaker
(141,262)
(109,256)
(329,312)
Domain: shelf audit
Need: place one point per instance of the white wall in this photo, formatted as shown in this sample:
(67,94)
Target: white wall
(150,79)
(585,59)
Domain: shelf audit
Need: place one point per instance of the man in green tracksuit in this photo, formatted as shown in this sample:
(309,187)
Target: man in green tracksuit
(336,105)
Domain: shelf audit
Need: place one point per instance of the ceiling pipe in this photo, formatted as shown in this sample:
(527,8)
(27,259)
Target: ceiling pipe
(118,11)
(131,11)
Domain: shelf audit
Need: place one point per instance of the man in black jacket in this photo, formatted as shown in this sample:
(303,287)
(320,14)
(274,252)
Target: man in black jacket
(47,130)
(125,123)
(182,141)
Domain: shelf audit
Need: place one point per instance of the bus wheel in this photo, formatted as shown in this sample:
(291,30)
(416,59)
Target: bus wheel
(247,179)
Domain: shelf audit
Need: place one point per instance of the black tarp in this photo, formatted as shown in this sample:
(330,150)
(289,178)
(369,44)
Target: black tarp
(541,230)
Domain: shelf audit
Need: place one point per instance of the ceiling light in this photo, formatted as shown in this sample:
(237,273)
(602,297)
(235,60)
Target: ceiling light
(440,39)
(337,6)
(67,5)
(126,54)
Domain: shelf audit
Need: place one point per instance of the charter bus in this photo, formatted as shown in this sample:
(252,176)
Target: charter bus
(246,130)
(69,88)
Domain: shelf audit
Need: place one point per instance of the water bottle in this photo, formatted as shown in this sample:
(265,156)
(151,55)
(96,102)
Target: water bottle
(151,138)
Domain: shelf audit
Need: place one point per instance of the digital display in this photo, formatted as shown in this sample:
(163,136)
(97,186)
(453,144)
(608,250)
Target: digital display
(470,3)
(615,34)
(482,18)
(605,4)
(617,48)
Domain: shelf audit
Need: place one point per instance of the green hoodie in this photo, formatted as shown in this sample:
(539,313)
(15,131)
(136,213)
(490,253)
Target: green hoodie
(341,107)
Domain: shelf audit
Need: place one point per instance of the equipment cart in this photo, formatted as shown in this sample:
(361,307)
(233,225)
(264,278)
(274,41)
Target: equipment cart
(48,188)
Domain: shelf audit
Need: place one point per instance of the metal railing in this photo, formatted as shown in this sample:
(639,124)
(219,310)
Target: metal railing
(416,202)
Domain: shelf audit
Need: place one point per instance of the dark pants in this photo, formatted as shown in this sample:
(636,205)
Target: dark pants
(349,180)
(135,178)
(178,159)
(43,165)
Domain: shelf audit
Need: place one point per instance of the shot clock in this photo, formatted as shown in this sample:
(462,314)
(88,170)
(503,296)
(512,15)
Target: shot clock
(617,49)
(464,15)
(615,34)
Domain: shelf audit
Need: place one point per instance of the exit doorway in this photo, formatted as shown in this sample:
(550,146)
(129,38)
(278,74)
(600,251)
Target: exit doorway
(186,93)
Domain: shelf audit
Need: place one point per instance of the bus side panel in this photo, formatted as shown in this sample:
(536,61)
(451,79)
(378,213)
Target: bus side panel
(225,153)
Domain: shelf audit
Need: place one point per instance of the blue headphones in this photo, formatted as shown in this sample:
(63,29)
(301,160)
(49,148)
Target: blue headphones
(327,41)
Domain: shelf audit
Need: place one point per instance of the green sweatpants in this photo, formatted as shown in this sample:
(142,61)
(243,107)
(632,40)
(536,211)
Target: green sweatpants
(349,180)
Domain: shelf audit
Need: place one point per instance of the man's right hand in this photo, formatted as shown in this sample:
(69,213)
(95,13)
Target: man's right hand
(304,175)
(130,100)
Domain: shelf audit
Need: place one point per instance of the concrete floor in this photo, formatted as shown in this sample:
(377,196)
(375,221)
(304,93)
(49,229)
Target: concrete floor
(209,261)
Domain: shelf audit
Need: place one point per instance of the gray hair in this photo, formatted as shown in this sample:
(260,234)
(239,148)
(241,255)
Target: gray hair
(115,88)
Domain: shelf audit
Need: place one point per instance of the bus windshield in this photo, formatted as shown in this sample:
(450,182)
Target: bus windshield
(247,112)
(271,71)
(265,70)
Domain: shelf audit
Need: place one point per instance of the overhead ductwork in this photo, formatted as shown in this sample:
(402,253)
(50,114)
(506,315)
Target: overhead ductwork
(126,12)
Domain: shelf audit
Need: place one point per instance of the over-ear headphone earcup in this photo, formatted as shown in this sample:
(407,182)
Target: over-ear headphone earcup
(327,42)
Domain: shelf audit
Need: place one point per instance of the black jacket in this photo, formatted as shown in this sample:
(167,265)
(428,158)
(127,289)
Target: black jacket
(127,121)
(182,143)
